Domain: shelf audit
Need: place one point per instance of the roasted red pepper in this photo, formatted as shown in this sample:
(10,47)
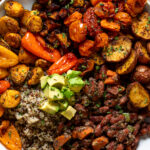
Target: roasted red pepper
(36,45)
(4,85)
(63,64)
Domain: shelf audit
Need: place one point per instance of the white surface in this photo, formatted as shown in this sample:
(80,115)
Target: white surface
(144,143)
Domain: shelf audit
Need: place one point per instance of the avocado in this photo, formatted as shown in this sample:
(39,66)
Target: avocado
(43,81)
(56,80)
(67,92)
(69,113)
(50,108)
(72,74)
(63,105)
(55,94)
(76,84)
(46,91)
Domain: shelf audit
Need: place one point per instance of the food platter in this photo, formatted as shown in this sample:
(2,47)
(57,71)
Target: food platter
(144,143)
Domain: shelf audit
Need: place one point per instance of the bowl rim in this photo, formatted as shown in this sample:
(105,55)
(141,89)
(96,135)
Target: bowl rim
(2,1)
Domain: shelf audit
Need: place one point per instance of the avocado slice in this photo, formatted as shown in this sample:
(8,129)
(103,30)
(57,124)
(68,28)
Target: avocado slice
(50,108)
(69,113)
(63,105)
(43,81)
(46,91)
(76,84)
(56,80)
(67,92)
(72,74)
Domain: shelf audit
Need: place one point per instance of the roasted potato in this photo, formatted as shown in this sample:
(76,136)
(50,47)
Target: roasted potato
(13,39)
(142,74)
(8,24)
(36,6)
(128,65)
(19,73)
(78,3)
(26,57)
(117,50)
(141,26)
(3,73)
(42,63)
(10,99)
(143,56)
(14,9)
(37,73)
(4,43)
(138,96)
(148,48)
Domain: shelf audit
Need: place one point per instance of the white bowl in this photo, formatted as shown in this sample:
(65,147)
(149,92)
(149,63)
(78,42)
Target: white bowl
(2,2)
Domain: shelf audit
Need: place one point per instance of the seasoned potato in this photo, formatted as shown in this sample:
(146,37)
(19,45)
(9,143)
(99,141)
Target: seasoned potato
(78,3)
(14,9)
(25,57)
(138,96)
(128,65)
(37,73)
(4,43)
(10,99)
(8,24)
(13,39)
(142,74)
(42,63)
(117,50)
(141,26)
(143,56)
(19,73)
(3,73)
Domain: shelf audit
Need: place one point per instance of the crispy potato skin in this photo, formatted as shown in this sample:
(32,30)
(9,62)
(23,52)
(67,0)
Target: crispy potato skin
(117,50)
(142,74)
(10,99)
(37,73)
(128,65)
(14,9)
(143,56)
(19,73)
(138,96)
(13,39)
(141,26)
(8,24)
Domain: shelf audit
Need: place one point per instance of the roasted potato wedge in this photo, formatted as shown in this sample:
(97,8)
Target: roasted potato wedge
(13,39)
(8,24)
(117,50)
(19,73)
(141,26)
(3,73)
(142,74)
(138,96)
(14,9)
(128,65)
(42,63)
(10,99)
(143,56)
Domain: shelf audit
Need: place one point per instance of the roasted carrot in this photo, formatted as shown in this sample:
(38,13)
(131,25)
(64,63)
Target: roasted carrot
(1,111)
(35,46)
(109,80)
(99,143)
(4,85)
(111,73)
(60,141)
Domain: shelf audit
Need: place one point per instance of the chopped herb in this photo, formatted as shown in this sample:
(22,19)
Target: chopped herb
(49,13)
(116,10)
(127,116)
(119,89)
(104,95)
(83,67)
(9,134)
(118,107)
(108,112)
(121,111)
(98,21)
(116,38)
(101,4)
(98,105)
(16,96)
(42,122)
(67,6)
(63,35)
(86,104)
(71,2)
(146,100)
(97,68)
(130,128)
(87,82)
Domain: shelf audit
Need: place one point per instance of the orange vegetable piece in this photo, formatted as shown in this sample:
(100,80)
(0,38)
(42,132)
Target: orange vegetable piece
(82,132)
(109,81)
(73,17)
(104,9)
(1,111)
(111,73)
(86,48)
(10,138)
(78,31)
(94,2)
(60,141)
(35,46)
(4,85)
(110,25)
(124,18)
(101,40)
(99,143)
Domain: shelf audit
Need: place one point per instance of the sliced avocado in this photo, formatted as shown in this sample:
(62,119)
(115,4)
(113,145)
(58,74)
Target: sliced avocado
(50,108)
(63,105)
(43,81)
(46,91)
(76,84)
(67,92)
(69,113)
(56,80)
(55,94)
(72,74)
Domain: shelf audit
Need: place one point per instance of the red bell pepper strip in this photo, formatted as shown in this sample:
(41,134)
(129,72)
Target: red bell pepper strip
(4,85)
(63,64)
(33,45)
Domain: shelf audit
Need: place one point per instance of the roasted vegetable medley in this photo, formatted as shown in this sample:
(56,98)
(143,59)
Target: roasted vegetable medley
(74,75)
